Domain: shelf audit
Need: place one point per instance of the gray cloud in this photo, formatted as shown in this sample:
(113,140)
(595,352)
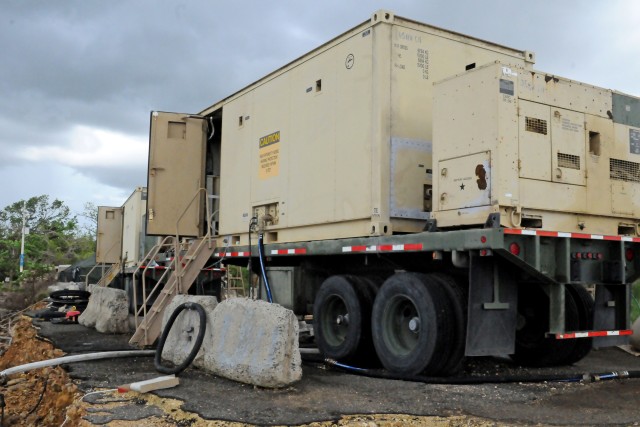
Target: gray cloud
(107,64)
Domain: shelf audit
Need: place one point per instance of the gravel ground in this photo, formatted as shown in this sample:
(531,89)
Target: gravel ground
(326,396)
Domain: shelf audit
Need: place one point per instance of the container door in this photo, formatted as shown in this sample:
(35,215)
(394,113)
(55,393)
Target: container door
(176,175)
(534,141)
(568,142)
(465,182)
(109,236)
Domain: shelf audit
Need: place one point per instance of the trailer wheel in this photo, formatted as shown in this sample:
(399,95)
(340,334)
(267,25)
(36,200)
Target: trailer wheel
(533,347)
(411,324)
(342,319)
(457,295)
(584,304)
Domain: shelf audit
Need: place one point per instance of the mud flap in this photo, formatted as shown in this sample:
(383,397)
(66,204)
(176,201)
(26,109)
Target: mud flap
(493,304)
(611,312)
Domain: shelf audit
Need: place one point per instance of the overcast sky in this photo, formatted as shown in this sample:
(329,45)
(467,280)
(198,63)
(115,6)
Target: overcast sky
(79,78)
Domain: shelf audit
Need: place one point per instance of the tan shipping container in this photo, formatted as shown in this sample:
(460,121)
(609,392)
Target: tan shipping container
(334,144)
(543,151)
(133,236)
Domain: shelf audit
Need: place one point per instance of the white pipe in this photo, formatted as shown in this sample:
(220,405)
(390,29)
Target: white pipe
(309,351)
(75,358)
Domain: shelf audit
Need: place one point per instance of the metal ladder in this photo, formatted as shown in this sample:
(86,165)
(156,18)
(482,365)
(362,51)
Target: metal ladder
(235,286)
(180,274)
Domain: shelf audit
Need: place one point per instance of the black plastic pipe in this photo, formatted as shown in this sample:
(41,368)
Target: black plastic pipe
(262,269)
(374,373)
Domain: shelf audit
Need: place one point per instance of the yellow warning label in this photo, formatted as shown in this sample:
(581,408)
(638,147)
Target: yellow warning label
(269,155)
(272,138)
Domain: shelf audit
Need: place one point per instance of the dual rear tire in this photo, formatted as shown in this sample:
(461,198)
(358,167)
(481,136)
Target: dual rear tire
(414,324)
(342,318)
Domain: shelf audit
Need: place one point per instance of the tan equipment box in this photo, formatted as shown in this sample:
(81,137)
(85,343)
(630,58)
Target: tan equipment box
(334,144)
(109,235)
(543,151)
(133,235)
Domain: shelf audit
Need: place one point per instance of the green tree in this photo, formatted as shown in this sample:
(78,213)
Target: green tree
(90,215)
(53,238)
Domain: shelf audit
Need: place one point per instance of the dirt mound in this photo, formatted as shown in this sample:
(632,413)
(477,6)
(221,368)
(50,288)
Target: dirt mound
(40,396)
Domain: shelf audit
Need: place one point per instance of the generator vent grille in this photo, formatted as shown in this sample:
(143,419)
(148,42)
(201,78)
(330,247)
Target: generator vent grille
(536,125)
(623,170)
(568,161)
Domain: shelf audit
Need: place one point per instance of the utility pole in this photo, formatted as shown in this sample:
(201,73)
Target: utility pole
(24,215)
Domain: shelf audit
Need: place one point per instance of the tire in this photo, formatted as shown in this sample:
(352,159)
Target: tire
(196,345)
(585,305)
(457,295)
(412,324)
(342,319)
(533,348)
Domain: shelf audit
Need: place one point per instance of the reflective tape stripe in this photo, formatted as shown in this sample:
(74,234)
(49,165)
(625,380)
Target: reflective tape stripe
(544,233)
(593,334)
(384,248)
(230,254)
(295,251)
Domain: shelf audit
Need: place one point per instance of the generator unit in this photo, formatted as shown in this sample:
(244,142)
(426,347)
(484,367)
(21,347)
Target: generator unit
(543,151)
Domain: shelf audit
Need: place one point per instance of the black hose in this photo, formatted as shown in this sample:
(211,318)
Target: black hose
(252,223)
(44,388)
(374,373)
(262,269)
(2,405)
(165,333)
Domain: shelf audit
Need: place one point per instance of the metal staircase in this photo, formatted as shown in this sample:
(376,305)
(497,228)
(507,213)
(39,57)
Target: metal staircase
(178,282)
(179,275)
(111,274)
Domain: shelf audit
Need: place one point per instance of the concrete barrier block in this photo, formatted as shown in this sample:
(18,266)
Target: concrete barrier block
(180,341)
(635,338)
(254,342)
(107,311)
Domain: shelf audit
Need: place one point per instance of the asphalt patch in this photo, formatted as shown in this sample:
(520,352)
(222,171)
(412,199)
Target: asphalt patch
(327,394)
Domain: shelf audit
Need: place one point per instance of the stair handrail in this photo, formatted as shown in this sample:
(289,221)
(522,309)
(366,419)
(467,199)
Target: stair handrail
(180,268)
(114,267)
(176,263)
(144,265)
(86,278)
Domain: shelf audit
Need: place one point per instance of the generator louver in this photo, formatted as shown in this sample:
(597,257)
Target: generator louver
(623,170)
(536,125)
(568,161)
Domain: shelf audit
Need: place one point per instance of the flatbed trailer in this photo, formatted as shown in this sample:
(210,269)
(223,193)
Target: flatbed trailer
(516,291)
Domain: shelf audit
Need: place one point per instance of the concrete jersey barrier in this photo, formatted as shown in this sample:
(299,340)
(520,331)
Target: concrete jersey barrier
(107,311)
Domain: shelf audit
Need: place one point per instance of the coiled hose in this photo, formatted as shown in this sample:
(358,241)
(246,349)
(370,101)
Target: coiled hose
(196,345)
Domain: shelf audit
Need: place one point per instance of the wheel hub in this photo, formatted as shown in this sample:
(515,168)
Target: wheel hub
(342,319)
(414,325)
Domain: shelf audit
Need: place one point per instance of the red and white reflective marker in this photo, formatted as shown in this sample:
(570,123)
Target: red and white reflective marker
(384,248)
(593,334)
(296,251)
(543,233)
